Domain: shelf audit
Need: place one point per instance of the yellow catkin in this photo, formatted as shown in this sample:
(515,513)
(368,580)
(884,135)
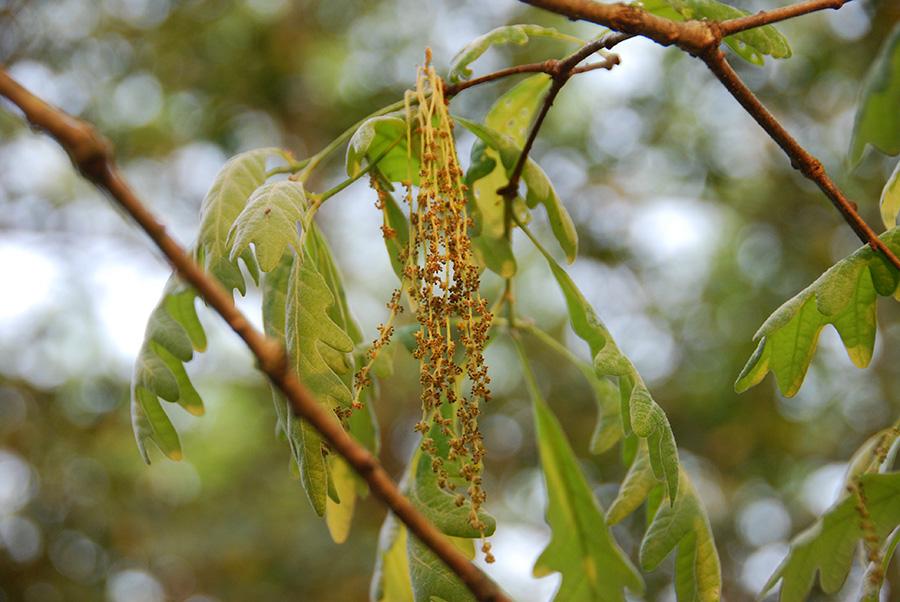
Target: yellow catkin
(443,281)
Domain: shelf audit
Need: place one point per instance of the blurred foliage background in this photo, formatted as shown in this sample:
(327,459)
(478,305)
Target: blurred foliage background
(693,226)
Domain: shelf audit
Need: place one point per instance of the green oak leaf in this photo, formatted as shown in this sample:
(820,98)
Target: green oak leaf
(313,336)
(304,306)
(877,119)
(843,296)
(683,524)
(829,546)
(317,347)
(172,335)
(640,413)
(751,45)
(269,221)
(890,199)
(540,190)
(384,137)
(227,197)
(581,547)
(507,34)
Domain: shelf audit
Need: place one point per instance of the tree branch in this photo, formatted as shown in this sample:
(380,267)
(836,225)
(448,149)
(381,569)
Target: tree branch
(92,156)
(768,17)
(687,35)
(560,71)
(548,67)
(801,159)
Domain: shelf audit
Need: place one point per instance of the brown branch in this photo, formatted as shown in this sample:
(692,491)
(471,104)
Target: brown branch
(705,46)
(549,67)
(801,159)
(92,156)
(768,17)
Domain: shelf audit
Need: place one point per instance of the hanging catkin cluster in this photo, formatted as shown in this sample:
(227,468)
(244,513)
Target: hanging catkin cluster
(443,283)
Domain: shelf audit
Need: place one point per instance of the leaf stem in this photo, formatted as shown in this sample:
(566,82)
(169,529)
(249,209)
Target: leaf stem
(335,144)
(291,167)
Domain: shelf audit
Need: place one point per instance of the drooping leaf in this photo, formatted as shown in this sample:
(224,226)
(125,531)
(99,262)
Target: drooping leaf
(269,221)
(507,34)
(751,45)
(683,524)
(829,546)
(429,576)
(844,296)
(313,337)
(698,576)
(581,548)
(877,119)
(173,333)
(384,137)
(890,199)
(318,475)
(640,413)
(317,347)
(227,197)
(540,190)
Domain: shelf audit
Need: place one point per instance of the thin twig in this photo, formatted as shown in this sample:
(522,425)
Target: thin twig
(702,39)
(560,71)
(92,156)
(768,17)
(547,67)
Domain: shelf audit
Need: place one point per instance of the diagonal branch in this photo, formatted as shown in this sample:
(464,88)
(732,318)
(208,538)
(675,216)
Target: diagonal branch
(776,15)
(800,158)
(92,156)
(689,36)
(560,71)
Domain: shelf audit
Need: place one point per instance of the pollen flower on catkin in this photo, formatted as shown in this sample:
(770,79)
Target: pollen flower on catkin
(443,284)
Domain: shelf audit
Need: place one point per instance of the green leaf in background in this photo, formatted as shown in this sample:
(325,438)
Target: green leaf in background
(318,348)
(640,413)
(507,34)
(384,137)
(877,118)
(581,547)
(751,45)
(844,296)
(683,524)
(173,333)
(269,221)
(829,546)
(540,189)
(227,197)
(890,199)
